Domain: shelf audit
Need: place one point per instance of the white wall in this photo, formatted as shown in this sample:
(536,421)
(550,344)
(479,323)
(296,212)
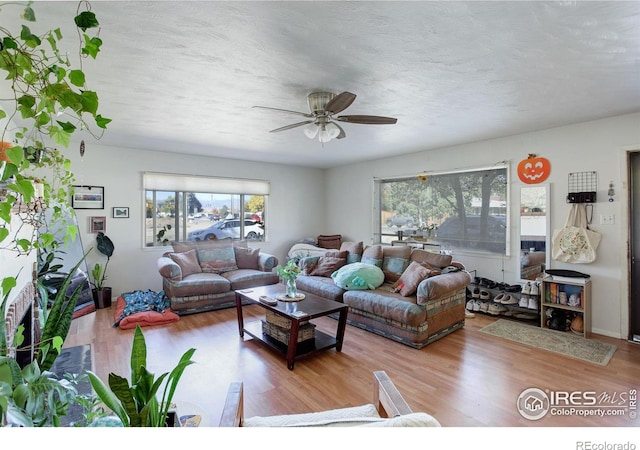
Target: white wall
(295,206)
(593,146)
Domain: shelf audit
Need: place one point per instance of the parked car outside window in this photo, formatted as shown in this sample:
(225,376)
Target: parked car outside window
(400,221)
(450,232)
(226,229)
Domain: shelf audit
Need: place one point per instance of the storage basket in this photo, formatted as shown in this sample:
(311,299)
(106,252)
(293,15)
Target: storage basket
(278,320)
(306,332)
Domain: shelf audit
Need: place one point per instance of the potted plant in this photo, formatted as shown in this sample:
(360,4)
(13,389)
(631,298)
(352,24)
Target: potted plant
(138,405)
(102,293)
(32,395)
(289,273)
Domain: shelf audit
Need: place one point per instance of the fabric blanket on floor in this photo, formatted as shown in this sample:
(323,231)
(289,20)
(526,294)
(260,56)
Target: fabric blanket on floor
(140,302)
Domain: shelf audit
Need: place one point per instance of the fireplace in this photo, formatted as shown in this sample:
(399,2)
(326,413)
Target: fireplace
(23,311)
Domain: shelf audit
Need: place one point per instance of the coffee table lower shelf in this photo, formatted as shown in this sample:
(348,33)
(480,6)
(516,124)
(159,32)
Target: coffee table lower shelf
(321,341)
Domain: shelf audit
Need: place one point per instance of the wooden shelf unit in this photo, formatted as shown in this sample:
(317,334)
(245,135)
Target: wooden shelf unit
(550,299)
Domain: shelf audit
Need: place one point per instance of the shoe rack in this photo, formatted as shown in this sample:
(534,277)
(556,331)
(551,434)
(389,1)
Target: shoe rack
(513,311)
(572,299)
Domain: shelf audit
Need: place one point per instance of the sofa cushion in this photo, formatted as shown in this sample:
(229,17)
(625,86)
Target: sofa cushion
(188,262)
(247,258)
(434,259)
(386,304)
(411,278)
(395,261)
(372,255)
(322,286)
(354,251)
(248,278)
(327,265)
(216,256)
(199,284)
(442,285)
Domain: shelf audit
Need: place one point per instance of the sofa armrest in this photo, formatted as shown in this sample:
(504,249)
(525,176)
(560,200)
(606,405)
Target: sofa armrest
(441,285)
(169,269)
(266,262)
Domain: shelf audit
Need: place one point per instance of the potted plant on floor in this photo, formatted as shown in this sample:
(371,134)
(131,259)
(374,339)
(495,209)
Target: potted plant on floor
(102,293)
(137,405)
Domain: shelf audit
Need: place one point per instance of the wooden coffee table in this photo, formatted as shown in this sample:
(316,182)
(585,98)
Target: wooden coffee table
(313,307)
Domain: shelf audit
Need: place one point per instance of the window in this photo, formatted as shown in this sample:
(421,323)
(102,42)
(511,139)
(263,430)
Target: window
(465,210)
(184,207)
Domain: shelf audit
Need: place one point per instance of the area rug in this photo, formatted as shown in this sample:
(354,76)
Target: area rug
(74,360)
(554,341)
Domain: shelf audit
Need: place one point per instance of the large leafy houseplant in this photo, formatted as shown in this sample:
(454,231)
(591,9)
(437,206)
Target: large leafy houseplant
(34,174)
(32,395)
(46,86)
(137,405)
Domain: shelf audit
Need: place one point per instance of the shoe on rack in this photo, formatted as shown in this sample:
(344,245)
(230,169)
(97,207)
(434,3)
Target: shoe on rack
(476,305)
(475,293)
(509,300)
(470,305)
(524,302)
(535,290)
(526,289)
(533,303)
(514,288)
(485,295)
(499,298)
(484,307)
(496,309)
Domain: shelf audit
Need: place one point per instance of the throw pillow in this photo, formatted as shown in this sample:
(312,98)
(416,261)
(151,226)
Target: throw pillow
(330,241)
(358,276)
(354,251)
(372,255)
(395,261)
(217,256)
(247,258)
(327,265)
(188,262)
(411,278)
(435,259)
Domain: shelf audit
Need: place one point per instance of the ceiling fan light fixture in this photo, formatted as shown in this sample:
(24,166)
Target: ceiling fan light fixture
(323,134)
(311,130)
(333,130)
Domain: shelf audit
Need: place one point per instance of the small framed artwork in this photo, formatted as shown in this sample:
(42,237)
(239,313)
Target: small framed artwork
(120,212)
(87,197)
(97,224)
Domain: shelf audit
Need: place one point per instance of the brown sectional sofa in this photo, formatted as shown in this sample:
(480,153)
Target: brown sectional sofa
(435,309)
(204,275)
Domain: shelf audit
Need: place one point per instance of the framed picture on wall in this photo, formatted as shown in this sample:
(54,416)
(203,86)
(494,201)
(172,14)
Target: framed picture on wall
(87,197)
(120,212)
(97,224)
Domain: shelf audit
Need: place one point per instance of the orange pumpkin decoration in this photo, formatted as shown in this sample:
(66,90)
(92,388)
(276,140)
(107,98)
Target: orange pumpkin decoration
(534,169)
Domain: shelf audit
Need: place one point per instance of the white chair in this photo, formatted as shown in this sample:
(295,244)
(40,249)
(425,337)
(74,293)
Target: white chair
(389,409)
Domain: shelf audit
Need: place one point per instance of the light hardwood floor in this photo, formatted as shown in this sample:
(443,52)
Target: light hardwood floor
(465,379)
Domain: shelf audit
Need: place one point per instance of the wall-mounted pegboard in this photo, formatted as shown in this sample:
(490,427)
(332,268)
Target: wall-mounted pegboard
(582,187)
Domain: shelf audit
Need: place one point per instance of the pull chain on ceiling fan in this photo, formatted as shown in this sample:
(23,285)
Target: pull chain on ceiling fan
(321,122)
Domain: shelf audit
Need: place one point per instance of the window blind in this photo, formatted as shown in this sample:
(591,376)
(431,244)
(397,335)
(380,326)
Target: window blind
(194,183)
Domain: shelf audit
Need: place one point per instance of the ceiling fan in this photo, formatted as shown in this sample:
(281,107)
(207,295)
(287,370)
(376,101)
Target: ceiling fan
(322,119)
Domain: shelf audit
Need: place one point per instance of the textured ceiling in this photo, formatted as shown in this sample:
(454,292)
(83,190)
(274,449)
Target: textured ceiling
(183,76)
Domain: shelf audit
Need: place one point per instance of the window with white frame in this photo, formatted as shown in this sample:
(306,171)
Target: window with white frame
(464,210)
(188,207)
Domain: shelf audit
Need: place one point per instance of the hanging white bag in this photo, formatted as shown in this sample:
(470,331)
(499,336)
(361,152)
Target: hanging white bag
(575,243)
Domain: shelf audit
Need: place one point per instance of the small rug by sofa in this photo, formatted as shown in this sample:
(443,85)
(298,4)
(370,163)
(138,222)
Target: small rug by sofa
(554,341)
(74,360)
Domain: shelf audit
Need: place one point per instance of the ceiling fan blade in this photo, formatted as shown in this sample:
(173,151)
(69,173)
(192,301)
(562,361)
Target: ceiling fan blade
(342,133)
(285,110)
(371,120)
(293,125)
(340,102)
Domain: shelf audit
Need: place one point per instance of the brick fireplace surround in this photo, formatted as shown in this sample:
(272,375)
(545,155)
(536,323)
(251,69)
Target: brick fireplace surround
(23,311)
